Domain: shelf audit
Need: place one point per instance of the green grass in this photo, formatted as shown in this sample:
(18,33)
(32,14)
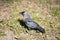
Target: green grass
(42,1)
(47,19)
(1,21)
(14,24)
(8,1)
(2,33)
(15,8)
(55,11)
(57,38)
(37,18)
(48,1)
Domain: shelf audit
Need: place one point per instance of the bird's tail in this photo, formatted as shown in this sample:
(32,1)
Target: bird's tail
(41,29)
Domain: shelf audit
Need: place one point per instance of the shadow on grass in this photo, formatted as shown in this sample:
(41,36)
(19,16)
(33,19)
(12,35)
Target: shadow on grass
(22,23)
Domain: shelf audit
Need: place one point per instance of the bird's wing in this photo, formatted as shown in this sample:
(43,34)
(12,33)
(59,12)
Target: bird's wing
(28,20)
(31,24)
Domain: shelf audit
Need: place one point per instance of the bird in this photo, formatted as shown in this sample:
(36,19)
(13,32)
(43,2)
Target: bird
(30,23)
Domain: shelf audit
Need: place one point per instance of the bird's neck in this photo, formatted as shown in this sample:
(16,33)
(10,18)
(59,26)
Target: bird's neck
(26,16)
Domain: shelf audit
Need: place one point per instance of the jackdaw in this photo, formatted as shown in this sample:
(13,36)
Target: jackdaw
(30,23)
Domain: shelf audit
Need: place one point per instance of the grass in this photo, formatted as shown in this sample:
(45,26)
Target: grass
(44,2)
(2,33)
(8,1)
(48,2)
(15,8)
(55,11)
(1,21)
(58,38)
(37,18)
(47,19)
(15,26)
(23,38)
(13,22)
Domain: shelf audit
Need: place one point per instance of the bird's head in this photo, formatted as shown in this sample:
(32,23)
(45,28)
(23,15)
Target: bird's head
(24,13)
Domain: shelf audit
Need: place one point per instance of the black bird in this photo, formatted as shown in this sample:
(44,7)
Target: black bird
(30,23)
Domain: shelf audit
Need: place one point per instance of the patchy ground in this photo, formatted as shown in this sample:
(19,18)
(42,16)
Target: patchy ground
(45,13)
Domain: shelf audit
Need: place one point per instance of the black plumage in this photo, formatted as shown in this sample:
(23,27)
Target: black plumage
(30,23)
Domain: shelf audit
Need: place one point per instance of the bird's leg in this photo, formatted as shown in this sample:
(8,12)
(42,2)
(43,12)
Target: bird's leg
(29,28)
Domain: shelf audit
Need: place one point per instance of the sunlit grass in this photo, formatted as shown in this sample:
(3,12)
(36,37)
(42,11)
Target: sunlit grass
(8,1)
(14,24)
(42,19)
(55,11)
(47,19)
(58,38)
(2,33)
(15,8)
(48,1)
